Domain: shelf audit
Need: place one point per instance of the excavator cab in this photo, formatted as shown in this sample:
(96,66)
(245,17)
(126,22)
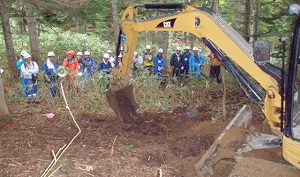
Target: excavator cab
(290,90)
(291,119)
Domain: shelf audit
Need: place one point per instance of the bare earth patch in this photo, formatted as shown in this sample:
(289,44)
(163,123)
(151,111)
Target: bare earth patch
(160,143)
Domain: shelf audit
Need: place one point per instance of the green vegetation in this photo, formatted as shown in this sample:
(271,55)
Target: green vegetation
(88,26)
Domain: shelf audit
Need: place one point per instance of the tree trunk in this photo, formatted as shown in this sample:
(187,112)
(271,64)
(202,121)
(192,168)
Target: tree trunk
(247,20)
(3,107)
(8,37)
(5,117)
(114,4)
(215,6)
(33,33)
(255,22)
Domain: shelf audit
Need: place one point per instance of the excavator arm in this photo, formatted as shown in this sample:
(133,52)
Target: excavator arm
(216,33)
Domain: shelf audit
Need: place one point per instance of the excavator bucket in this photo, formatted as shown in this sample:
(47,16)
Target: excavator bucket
(123,103)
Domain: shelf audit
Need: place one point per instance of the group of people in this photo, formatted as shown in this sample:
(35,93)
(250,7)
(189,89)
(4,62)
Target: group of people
(150,62)
(192,61)
(83,65)
(181,63)
(77,64)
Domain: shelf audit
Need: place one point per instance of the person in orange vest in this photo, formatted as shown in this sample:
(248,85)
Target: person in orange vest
(72,64)
(215,68)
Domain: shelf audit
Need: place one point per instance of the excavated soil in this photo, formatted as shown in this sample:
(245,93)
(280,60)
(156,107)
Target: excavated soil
(168,144)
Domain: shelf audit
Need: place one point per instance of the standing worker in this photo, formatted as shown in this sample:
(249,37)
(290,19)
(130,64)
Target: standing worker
(89,64)
(29,71)
(137,63)
(79,57)
(215,68)
(175,62)
(159,64)
(184,70)
(195,63)
(148,59)
(72,64)
(111,59)
(49,71)
(105,66)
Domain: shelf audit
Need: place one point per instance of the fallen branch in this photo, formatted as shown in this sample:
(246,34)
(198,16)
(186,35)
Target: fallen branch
(112,147)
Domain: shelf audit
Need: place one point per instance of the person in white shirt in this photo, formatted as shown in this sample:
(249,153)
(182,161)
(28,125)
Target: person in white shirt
(137,61)
(29,71)
(111,59)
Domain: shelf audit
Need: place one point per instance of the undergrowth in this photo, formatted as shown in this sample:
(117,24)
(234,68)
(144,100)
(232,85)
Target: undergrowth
(152,95)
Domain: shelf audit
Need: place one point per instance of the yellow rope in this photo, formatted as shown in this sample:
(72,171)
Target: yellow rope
(64,148)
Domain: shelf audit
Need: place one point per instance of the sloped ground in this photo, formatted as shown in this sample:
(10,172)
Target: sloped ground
(168,144)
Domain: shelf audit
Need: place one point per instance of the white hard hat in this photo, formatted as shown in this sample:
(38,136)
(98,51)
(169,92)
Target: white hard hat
(120,55)
(187,47)
(195,48)
(160,50)
(79,53)
(23,53)
(108,51)
(121,48)
(106,55)
(27,55)
(294,9)
(148,47)
(178,48)
(134,54)
(87,53)
(51,54)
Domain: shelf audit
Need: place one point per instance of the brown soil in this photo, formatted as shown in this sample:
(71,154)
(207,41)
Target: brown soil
(168,144)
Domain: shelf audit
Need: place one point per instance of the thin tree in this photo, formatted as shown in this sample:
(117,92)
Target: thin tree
(247,20)
(255,22)
(7,36)
(215,6)
(33,33)
(4,112)
(5,116)
(114,5)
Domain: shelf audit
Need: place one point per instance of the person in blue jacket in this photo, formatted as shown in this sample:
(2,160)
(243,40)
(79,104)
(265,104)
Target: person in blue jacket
(49,72)
(105,66)
(159,64)
(18,65)
(195,62)
(89,64)
(185,62)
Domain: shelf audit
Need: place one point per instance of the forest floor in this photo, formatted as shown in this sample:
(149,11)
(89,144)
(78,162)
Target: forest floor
(161,144)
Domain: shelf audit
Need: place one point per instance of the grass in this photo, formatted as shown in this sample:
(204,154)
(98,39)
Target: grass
(151,95)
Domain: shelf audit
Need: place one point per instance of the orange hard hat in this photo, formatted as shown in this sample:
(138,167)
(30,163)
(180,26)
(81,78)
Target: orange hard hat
(72,52)
(67,53)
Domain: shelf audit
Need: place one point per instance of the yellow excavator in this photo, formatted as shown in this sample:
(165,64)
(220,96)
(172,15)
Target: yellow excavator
(278,91)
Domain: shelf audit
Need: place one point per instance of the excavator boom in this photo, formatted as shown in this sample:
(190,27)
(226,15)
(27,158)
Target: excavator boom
(208,26)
